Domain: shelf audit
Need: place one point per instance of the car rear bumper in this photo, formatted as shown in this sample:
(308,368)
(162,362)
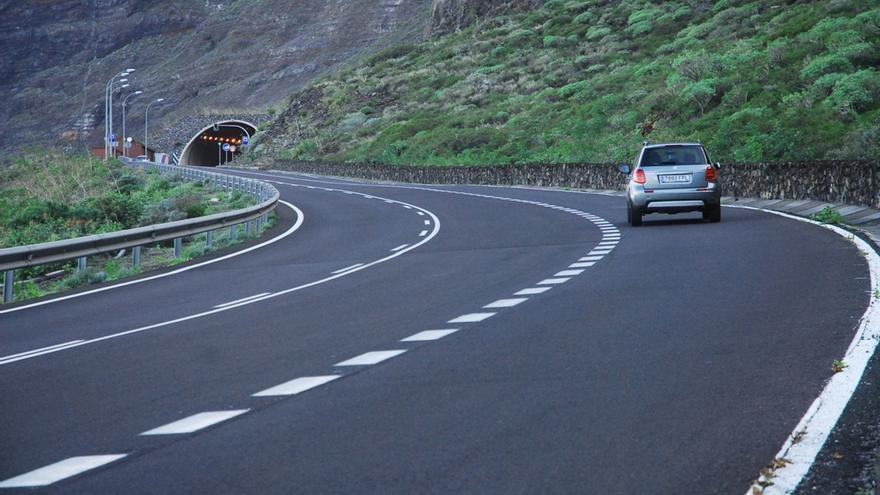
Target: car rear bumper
(674,200)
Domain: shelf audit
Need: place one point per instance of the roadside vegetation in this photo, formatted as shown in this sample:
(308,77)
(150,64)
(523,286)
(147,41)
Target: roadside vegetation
(586,81)
(47,195)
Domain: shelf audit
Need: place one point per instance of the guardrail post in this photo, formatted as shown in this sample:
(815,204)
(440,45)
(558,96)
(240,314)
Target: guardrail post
(259,224)
(247,228)
(82,263)
(178,246)
(136,256)
(209,238)
(8,286)
(233,232)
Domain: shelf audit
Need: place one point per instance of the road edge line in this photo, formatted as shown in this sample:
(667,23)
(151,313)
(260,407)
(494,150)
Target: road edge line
(798,453)
(123,283)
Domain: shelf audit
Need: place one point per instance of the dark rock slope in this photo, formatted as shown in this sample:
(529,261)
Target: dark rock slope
(204,56)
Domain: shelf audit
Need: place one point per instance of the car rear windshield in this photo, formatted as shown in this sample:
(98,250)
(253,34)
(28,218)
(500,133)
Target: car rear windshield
(673,155)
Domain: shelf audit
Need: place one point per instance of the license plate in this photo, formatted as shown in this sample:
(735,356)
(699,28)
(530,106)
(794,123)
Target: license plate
(675,179)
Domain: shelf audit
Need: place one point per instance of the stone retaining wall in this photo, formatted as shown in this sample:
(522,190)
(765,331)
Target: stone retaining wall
(849,182)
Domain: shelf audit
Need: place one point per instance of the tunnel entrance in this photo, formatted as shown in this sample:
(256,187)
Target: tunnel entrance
(217,144)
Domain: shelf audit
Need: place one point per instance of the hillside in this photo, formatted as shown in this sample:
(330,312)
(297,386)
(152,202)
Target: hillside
(203,57)
(586,81)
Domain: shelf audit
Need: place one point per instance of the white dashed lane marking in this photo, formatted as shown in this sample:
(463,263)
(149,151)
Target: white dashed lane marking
(369,358)
(427,222)
(585,264)
(590,258)
(297,386)
(553,281)
(423,233)
(195,422)
(420,213)
(506,303)
(429,335)
(532,291)
(597,252)
(472,318)
(568,273)
(60,470)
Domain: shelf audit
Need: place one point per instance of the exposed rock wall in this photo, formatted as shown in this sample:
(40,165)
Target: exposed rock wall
(449,15)
(207,56)
(850,182)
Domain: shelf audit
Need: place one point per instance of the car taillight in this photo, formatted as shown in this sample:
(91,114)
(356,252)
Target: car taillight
(711,176)
(640,177)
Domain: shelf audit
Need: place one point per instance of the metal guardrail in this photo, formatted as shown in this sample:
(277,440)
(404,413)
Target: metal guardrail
(266,195)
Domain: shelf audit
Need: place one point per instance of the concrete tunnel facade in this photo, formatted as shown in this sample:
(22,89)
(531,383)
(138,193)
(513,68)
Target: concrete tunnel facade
(205,148)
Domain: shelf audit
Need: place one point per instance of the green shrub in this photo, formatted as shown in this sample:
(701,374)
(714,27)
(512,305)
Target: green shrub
(827,215)
(584,18)
(831,62)
(856,92)
(391,53)
(571,89)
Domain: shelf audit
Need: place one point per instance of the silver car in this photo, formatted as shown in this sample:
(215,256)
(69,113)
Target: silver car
(673,178)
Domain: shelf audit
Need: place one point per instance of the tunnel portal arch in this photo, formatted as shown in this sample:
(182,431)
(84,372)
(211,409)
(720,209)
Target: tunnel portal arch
(205,148)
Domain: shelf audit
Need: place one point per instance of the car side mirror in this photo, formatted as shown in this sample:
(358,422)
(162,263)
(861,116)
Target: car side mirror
(717,165)
(624,169)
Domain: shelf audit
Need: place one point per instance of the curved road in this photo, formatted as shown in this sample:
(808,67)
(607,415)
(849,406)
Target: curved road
(567,352)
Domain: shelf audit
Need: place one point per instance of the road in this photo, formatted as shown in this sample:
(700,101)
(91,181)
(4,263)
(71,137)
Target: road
(567,352)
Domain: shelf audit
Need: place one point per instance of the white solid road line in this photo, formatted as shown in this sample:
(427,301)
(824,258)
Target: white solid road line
(532,291)
(280,293)
(806,440)
(553,281)
(348,268)
(195,422)
(291,230)
(60,470)
(398,248)
(506,303)
(568,273)
(297,385)
(369,358)
(230,303)
(42,349)
(472,318)
(429,335)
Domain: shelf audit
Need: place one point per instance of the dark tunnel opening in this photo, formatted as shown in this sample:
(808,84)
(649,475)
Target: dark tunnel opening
(218,144)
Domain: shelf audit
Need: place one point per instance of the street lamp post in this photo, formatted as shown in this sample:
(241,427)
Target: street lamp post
(108,111)
(146,124)
(123,86)
(124,149)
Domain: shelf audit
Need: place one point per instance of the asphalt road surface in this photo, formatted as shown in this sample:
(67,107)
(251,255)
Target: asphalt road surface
(567,352)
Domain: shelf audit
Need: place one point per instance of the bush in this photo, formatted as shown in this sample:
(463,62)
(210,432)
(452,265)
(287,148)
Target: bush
(855,92)
(571,89)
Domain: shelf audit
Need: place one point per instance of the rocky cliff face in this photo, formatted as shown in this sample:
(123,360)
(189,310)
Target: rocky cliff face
(449,15)
(203,57)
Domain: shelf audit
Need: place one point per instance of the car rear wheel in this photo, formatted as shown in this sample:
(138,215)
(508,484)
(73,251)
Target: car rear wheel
(712,213)
(633,215)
